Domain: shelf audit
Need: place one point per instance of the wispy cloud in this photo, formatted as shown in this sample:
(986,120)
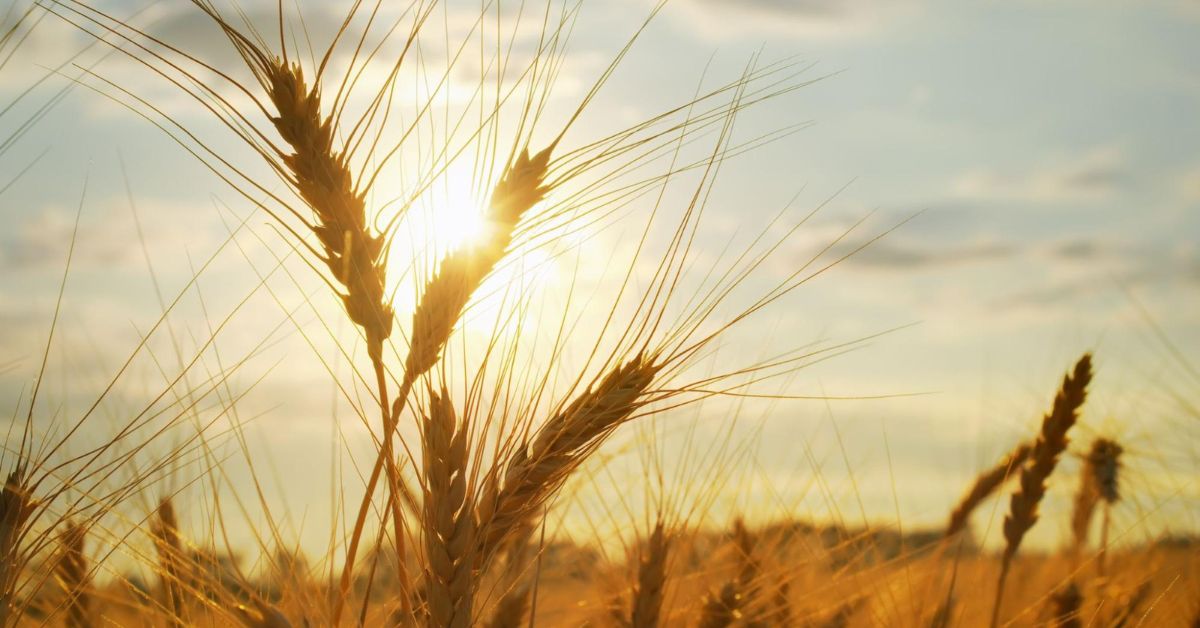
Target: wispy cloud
(1095,175)
(898,255)
(822,19)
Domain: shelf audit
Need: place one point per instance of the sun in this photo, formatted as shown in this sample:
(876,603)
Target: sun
(456,225)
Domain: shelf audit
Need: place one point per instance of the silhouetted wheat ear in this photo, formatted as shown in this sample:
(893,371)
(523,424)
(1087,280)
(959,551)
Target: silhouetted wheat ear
(322,178)
(749,570)
(721,609)
(1098,480)
(1065,606)
(262,615)
(1050,444)
(448,521)
(16,510)
(461,272)
(538,468)
(986,484)
(1125,613)
(651,580)
(783,614)
(72,571)
(1104,464)
(171,559)
(511,609)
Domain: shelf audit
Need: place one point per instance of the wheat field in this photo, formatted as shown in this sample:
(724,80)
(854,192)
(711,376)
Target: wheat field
(465,314)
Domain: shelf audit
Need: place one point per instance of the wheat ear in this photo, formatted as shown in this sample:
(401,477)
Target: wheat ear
(321,176)
(461,272)
(1050,444)
(985,485)
(651,580)
(1098,481)
(16,510)
(165,530)
(445,297)
(720,609)
(447,518)
(353,253)
(539,467)
(1129,610)
(72,570)
(1065,606)
(749,570)
(511,609)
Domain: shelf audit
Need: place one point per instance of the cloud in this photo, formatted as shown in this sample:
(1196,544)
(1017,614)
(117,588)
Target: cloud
(1082,269)
(809,19)
(1096,175)
(107,236)
(899,256)
(1188,185)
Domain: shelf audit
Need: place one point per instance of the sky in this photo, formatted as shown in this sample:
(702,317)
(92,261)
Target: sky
(1032,167)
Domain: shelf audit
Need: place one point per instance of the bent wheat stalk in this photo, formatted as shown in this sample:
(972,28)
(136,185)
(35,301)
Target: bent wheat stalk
(985,485)
(1050,444)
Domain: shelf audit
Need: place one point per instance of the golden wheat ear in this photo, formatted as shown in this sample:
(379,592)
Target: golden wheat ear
(1050,444)
(449,528)
(17,508)
(541,464)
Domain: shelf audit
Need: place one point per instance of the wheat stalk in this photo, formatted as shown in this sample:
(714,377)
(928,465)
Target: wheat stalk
(447,517)
(1050,444)
(985,485)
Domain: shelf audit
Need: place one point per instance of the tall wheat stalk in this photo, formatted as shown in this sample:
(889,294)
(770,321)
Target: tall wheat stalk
(1050,444)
